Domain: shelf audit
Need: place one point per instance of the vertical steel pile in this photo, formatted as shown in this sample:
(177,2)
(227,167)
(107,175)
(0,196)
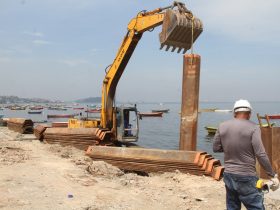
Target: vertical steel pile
(271,142)
(190,99)
(155,160)
(21,125)
(78,137)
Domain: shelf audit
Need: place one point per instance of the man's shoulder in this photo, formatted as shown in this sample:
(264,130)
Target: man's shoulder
(233,121)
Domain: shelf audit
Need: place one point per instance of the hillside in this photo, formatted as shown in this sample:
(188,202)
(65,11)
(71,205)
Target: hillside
(16,99)
(89,100)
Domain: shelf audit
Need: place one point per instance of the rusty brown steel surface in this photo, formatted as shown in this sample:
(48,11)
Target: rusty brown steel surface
(217,172)
(271,142)
(178,33)
(80,138)
(206,162)
(70,131)
(197,156)
(59,124)
(20,125)
(151,154)
(190,99)
(39,130)
(155,160)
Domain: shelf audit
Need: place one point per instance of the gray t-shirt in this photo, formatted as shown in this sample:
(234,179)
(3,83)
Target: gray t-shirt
(241,142)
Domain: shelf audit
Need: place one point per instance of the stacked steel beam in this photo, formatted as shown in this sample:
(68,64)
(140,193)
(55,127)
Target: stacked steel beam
(154,160)
(60,124)
(78,137)
(20,125)
(39,131)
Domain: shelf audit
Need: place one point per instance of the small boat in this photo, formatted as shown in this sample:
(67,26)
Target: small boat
(223,110)
(34,112)
(17,108)
(60,116)
(150,114)
(274,117)
(161,110)
(93,111)
(211,130)
(57,108)
(36,108)
(79,108)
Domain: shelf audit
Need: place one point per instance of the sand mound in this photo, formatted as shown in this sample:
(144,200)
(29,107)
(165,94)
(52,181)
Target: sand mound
(101,168)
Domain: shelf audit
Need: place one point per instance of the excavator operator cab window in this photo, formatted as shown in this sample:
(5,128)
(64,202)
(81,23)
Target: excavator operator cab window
(127,125)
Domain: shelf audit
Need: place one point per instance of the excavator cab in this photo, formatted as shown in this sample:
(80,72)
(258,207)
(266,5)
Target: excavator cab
(127,124)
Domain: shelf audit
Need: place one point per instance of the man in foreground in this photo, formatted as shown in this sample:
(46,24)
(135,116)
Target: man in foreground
(240,140)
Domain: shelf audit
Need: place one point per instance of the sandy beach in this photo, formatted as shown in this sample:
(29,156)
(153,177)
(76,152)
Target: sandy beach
(34,175)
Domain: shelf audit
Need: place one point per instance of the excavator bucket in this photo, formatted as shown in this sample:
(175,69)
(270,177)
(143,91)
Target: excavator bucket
(179,31)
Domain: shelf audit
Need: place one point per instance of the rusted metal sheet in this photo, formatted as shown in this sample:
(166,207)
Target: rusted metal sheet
(59,124)
(155,160)
(77,137)
(21,125)
(217,172)
(151,154)
(70,131)
(271,142)
(190,100)
(179,31)
(39,131)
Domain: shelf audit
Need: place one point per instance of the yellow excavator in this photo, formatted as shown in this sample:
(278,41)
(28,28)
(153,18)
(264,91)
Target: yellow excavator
(180,29)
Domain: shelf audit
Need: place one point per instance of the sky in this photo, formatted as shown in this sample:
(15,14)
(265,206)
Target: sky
(58,49)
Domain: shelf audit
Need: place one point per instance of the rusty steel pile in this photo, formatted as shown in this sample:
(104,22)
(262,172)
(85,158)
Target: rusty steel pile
(20,125)
(155,160)
(59,124)
(80,138)
(39,131)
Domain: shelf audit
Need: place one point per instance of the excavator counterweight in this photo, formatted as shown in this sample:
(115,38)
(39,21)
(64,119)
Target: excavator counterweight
(179,30)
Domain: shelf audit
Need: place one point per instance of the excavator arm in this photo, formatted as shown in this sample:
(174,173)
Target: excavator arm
(180,29)
(136,28)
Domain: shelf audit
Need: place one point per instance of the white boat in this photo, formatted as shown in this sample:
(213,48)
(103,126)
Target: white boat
(223,110)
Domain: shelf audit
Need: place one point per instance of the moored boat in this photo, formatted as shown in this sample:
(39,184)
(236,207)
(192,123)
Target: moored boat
(274,117)
(223,110)
(161,110)
(34,112)
(17,108)
(36,108)
(78,108)
(61,115)
(150,114)
(211,130)
(93,111)
(57,108)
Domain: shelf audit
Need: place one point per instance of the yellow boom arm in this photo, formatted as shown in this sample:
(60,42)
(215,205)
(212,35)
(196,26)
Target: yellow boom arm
(180,29)
(137,26)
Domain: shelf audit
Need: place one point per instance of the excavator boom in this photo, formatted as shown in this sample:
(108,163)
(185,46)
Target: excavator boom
(180,30)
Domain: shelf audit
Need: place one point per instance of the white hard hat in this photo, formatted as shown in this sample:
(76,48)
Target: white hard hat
(242,106)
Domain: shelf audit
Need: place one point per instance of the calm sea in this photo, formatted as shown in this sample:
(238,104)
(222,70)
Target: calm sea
(164,132)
